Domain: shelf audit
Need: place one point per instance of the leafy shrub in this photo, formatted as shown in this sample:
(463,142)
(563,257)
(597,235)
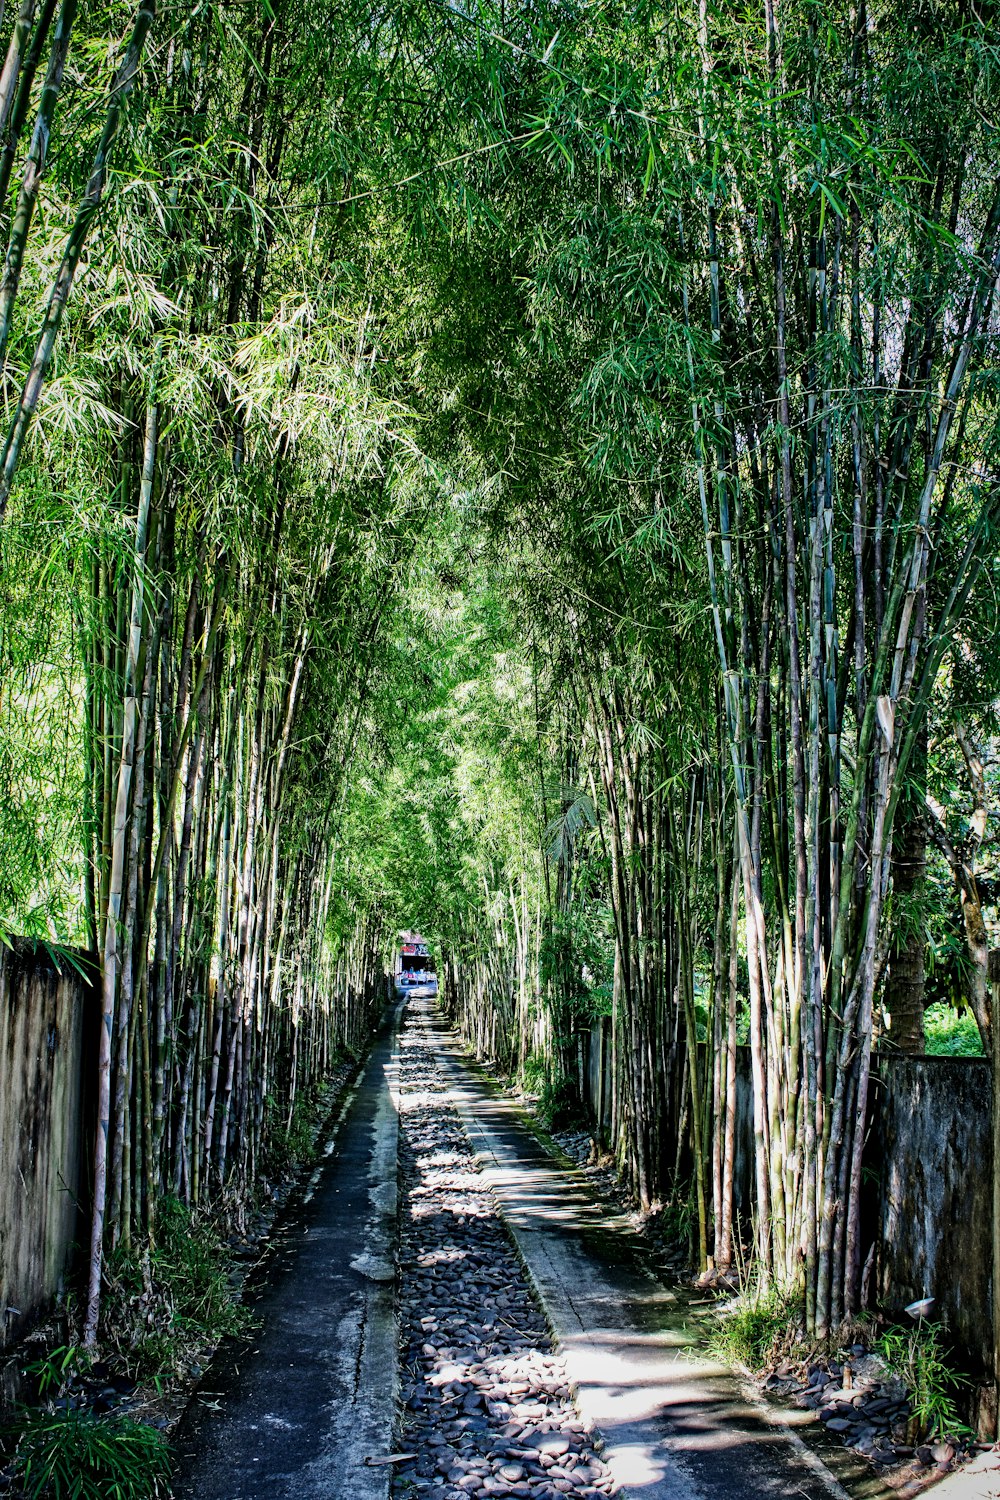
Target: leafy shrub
(75,1455)
(916,1355)
(951,1032)
(754,1328)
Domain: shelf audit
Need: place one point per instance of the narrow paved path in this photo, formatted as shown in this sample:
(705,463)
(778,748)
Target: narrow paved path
(498,1249)
(301,1412)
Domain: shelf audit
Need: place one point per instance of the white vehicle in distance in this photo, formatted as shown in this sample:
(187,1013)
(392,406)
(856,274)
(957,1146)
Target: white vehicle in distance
(414,968)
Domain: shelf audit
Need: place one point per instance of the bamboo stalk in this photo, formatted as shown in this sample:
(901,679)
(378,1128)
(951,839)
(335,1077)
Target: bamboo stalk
(111,952)
(124,79)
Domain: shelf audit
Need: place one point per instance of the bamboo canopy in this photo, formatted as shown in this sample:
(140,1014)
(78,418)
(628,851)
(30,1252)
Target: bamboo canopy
(531,479)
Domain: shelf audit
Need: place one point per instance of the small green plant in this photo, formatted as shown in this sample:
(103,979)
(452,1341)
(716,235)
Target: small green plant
(59,1366)
(754,1328)
(75,1455)
(159,1314)
(916,1355)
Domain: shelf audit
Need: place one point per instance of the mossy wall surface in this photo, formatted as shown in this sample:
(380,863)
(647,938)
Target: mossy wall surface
(932,1149)
(48,1020)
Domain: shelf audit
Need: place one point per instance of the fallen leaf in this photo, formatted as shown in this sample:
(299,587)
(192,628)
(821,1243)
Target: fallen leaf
(388,1458)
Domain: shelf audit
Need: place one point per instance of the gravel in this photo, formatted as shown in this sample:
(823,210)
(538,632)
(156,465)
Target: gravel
(486,1406)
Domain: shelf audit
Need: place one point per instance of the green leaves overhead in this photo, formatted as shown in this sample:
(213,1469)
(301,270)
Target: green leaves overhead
(569,441)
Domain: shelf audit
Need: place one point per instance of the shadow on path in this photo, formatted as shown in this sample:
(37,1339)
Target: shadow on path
(298,1411)
(678,1425)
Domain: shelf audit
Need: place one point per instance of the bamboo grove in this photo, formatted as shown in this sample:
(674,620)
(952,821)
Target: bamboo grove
(528,476)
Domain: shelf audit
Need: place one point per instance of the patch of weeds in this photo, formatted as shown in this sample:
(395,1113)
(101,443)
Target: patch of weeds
(191,1259)
(951,1032)
(756,1328)
(75,1455)
(300,1136)
(162,1308)
(292,1140)
(919,1358)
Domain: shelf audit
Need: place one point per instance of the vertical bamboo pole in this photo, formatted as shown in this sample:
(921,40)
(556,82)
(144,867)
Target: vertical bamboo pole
(116,888)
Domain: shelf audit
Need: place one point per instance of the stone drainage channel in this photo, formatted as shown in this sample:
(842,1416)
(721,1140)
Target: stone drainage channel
(486,1405)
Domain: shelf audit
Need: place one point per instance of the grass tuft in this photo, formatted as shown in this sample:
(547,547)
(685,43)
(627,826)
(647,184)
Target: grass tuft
(918,1357)
(756,1328)
(75,1455)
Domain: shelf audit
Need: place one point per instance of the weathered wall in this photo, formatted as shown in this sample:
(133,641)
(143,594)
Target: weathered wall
(598,1076)
(927,1189)
(927,1200)
(48,1024)
(931,1144)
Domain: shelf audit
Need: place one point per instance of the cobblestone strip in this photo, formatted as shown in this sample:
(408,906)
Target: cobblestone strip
(486,1407)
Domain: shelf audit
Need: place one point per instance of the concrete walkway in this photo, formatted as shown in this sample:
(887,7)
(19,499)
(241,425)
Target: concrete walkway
(677,1426)
(300,1414)
(307,1408)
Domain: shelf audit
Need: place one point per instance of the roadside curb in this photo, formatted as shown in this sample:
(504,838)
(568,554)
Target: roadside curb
(378,1365)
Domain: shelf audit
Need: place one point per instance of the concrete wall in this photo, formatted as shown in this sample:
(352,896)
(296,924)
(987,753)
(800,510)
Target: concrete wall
(48,1031)
(927,1199)
(598,1079)
(931,1145)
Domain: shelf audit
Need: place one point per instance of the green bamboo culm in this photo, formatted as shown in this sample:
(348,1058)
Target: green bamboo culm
(531,482)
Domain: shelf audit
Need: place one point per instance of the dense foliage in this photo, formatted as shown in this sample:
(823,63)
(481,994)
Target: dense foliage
(530,475)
